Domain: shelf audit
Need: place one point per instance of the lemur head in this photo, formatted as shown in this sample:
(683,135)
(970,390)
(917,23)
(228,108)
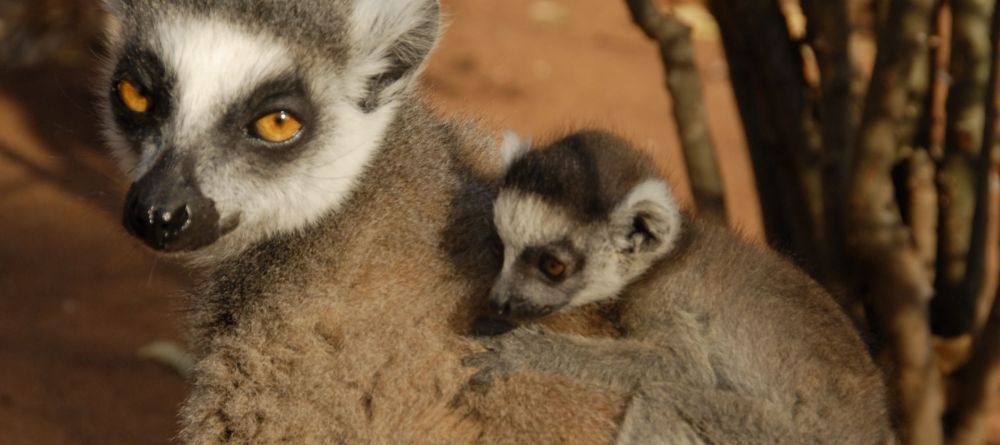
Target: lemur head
(240,119)
(579,220)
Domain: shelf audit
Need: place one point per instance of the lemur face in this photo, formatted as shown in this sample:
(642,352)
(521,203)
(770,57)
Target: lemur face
(234,130)
(579,219)
(551,261)
(209,122)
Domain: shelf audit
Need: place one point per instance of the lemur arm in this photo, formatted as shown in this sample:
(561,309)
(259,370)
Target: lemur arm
(674,396)
(618,364)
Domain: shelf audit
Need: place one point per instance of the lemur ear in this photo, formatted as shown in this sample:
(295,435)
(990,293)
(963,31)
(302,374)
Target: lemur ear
(648,221)
(513,147)
(392,39)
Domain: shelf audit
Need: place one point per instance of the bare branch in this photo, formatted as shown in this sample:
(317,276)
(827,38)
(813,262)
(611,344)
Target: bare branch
(923,207)
(979,394)
(917,130)
(684,85)
(828,32)
(961,183)
(900,312)
(891,266)
(981,376)
(766,72)
(923,133)
(917,117)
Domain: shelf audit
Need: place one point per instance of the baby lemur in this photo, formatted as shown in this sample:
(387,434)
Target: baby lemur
(723,338)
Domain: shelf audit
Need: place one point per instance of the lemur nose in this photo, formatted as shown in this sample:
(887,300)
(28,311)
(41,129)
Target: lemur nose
(157,225)
(499,307)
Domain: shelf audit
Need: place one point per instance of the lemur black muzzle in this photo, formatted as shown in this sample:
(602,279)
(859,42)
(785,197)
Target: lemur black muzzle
(166,209)
(515,308)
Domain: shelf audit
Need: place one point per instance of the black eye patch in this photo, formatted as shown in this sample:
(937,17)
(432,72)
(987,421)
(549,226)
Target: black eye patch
(285,93)
(147,74)
(563,250)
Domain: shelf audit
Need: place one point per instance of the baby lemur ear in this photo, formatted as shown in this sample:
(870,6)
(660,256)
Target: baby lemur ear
(648,221)
(513,147)
(392,39)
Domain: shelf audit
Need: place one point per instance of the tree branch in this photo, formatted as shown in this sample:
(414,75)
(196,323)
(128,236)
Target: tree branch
(924,124)
(828,32)
(922,212)
(900,313)
(981,376)
(766,72)
(923,207)
(961,183)
(684,85)
(890,265)
(979,395)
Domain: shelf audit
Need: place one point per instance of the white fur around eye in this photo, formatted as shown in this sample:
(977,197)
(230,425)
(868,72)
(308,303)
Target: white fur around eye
(216,61)
(526,220)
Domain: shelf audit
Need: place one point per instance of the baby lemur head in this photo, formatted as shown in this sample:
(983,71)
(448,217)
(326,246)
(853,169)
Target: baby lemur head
(579,220)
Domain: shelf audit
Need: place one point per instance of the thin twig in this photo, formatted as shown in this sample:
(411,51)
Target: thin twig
(684,85)
(923,207)
(923,134)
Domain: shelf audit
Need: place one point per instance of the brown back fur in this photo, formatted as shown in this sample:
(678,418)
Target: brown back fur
(769,330)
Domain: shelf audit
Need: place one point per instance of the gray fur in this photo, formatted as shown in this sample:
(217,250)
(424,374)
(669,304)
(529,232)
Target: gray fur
(722,341)
(316,27)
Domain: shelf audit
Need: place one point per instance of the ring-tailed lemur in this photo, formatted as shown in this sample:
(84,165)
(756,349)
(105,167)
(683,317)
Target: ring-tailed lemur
(762,353)
(343,229)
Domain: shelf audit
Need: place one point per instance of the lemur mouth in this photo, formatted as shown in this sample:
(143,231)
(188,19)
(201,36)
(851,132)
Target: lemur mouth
(517,310)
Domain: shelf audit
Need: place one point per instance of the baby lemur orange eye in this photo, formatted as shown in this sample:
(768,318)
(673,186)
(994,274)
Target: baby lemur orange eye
(552,268)
(132,98)
(279,126)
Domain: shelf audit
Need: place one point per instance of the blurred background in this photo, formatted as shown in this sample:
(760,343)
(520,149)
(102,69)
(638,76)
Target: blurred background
(91,322)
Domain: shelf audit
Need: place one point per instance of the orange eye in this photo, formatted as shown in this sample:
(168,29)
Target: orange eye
(279,126)
(552,268)
(132,98)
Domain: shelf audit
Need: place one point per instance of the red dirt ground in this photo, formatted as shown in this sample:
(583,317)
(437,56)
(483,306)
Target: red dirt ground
(78,297)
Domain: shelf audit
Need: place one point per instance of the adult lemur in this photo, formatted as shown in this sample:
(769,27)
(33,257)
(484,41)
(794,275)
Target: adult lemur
(769,355)
(343,229)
